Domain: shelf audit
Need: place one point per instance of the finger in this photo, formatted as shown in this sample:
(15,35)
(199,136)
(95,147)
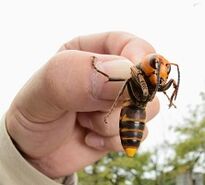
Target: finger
(109,144)
(152,109)
(116,43)
(99,142)
(96,121)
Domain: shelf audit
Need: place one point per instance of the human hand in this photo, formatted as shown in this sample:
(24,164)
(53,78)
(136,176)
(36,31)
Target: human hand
(57,119)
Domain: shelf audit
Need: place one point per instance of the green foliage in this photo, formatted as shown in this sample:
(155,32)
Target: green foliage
(190,148)
(117,169)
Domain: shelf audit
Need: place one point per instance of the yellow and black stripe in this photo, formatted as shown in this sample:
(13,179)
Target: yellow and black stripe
(132,124)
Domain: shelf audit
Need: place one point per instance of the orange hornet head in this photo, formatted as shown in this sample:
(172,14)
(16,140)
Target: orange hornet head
(150,65)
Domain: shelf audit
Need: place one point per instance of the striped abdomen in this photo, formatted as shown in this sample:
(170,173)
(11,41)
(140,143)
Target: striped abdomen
(132,124)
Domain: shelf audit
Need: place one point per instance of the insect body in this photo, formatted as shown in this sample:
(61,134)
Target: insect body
(147,77)
(132,124)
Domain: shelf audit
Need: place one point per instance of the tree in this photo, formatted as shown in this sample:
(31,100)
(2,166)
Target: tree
(190,149)
(118,169)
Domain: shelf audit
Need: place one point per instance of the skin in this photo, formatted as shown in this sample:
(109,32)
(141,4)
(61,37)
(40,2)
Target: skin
(57,119)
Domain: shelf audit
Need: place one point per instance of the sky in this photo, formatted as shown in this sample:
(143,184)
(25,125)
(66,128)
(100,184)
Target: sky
(32,31)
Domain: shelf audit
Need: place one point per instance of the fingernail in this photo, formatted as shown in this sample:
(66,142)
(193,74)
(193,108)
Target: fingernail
(116,68)
(94,141)
(119,68)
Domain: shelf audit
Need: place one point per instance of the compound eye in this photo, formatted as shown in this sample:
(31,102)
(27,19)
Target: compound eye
(153,63)
(168,68)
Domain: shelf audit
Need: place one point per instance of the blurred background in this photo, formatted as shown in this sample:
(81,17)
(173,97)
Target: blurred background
(32,31)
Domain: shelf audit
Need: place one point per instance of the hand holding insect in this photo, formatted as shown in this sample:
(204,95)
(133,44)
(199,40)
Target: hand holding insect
(59,114)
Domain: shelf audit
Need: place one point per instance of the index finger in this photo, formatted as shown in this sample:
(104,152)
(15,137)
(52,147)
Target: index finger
(115,43)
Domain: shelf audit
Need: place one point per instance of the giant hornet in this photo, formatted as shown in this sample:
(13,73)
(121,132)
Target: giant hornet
(147,77)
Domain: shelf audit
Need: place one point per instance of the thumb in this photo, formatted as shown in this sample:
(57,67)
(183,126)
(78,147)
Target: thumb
(74,84)
(68,82)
